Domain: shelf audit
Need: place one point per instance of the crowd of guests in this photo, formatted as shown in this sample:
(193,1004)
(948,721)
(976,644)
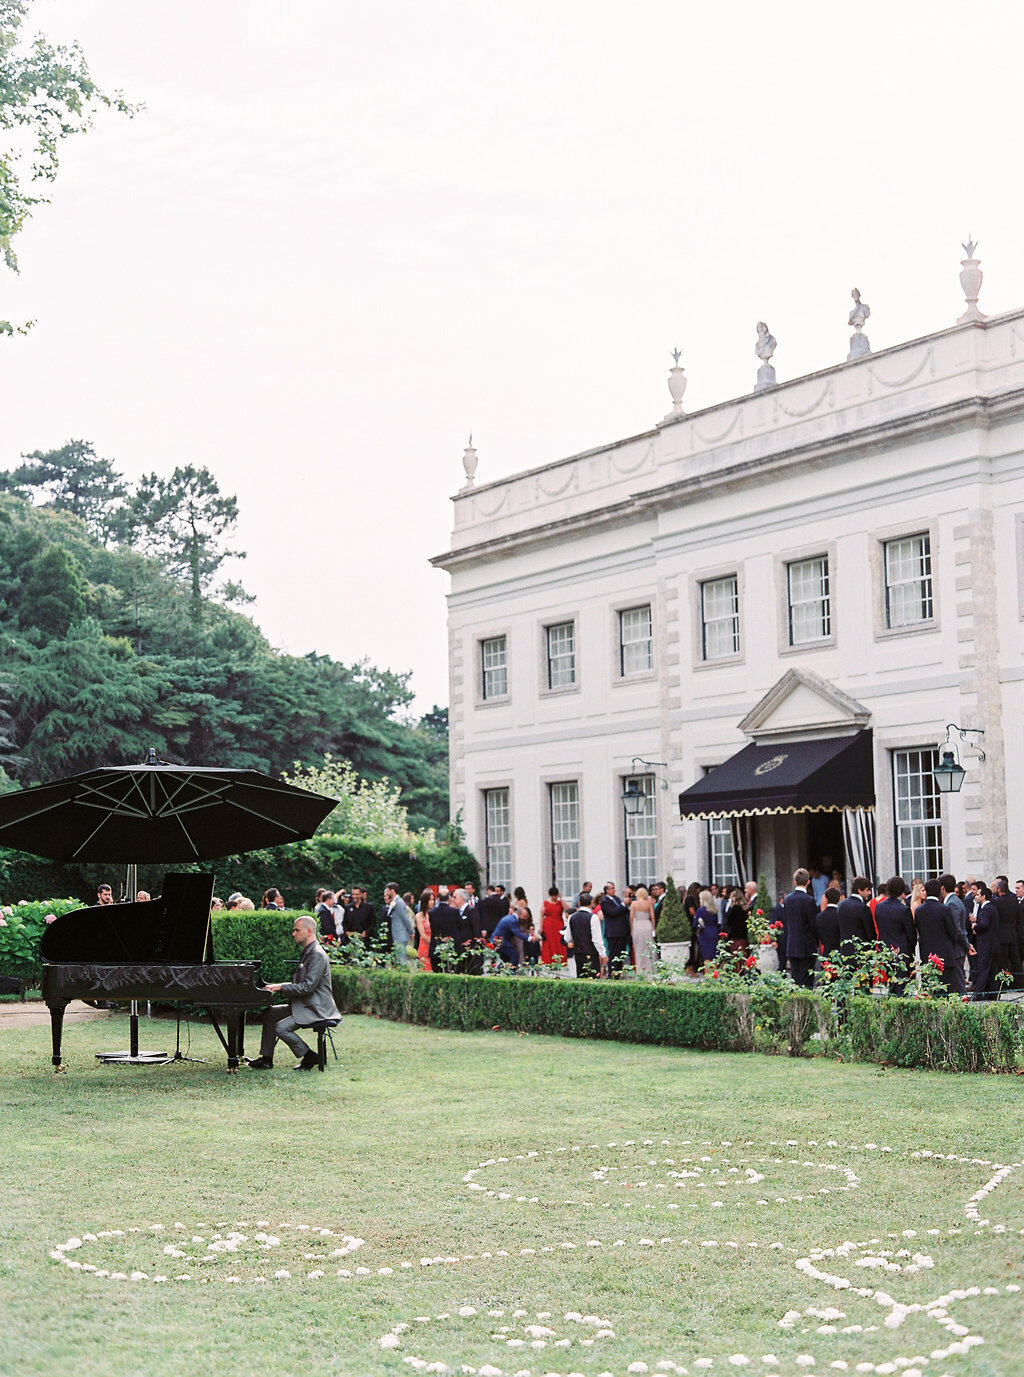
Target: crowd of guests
(971,933)
(454,928)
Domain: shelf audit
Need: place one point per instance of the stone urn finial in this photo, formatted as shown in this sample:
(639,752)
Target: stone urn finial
(470,460)
(764,349)
(971,278)
(859,342)
(676,385)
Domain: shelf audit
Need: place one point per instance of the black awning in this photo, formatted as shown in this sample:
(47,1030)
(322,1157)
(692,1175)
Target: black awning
(825,775)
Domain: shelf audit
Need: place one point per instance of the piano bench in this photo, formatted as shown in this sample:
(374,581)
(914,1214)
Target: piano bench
(323,1032)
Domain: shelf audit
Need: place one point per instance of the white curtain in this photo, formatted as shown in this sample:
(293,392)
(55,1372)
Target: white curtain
(743,847)
(859,836)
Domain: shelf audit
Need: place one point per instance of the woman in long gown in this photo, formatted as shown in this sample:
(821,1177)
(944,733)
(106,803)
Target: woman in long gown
(423,928)
(641,930)
(552,922)
(707,926)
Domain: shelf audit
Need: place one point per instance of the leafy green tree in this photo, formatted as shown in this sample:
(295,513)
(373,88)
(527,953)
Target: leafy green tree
(139,669)
(79,482)
(46,95)
(88,700)
(183,521)
(54,598)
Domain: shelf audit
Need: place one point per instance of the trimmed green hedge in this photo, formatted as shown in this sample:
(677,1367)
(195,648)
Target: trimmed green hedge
(263,935)
(898,1032)
(702,1016)
(942,1035)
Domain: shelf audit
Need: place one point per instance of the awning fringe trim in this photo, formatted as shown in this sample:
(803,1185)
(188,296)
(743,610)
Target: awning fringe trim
(767,812)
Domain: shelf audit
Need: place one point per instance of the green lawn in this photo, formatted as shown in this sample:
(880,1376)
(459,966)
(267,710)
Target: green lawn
(378,1149)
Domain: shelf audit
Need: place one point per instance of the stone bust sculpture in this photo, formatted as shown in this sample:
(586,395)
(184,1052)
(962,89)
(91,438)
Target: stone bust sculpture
(861,311)
(765,346)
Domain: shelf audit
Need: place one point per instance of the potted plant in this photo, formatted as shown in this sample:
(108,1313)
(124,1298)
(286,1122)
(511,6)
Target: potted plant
(673,933)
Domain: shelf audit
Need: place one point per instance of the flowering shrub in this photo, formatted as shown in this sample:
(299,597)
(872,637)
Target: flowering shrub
(21,928)
(366,808)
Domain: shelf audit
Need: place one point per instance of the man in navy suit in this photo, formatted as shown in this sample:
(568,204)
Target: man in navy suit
(895,925)
(855,921)
(799,915)
(938,935)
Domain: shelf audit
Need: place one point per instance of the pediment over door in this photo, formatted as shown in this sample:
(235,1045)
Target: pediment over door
(803,705)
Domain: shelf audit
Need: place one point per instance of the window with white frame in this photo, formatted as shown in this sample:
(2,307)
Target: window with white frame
(641,833)
(810,601)
(721,856)
(720,617)
(918,814)
(561,653)
(494,667)
(564,801)
(908,581)
(636,651)
(497,837)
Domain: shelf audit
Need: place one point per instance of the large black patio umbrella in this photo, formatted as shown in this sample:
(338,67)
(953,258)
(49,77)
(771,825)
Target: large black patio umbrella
(157,812)
(154,813)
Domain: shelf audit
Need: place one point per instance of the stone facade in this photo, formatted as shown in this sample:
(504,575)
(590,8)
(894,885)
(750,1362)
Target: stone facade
(828,474)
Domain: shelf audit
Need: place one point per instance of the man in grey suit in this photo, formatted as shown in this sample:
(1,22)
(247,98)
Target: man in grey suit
(400,920)
(310,1000)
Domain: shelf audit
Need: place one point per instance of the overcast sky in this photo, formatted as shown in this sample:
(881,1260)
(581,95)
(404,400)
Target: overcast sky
(344,233)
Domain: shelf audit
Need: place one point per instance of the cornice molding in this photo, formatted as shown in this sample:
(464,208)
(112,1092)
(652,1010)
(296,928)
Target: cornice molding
(966,413)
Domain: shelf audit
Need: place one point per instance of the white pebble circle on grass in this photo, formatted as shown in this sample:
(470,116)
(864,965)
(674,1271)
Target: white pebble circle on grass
(232,1253)
(642,1175)
(226,1251)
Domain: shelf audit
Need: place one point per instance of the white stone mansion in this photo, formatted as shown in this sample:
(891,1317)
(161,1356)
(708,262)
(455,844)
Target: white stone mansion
(823,574)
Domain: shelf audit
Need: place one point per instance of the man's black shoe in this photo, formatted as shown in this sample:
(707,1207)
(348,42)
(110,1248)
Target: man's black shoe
(308,1063)
(261,1064)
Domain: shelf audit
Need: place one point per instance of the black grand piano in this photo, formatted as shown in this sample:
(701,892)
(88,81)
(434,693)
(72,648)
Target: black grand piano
(160,950)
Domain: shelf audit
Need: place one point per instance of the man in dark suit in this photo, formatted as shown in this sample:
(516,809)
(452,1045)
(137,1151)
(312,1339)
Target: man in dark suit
(491,909)
(957,907)
(828,923)
(893,920)
(658,892)
(896,925)
(985,923)
(855,921)
(800,917)
(463,930)
(938,935)
(1008,909)
(444,923)
(331,915)
(360,916)
(616,929)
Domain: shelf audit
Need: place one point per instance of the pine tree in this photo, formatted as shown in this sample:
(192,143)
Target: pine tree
(672,922)
(54,597)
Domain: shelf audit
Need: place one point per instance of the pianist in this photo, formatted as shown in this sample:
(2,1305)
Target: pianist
(310,999)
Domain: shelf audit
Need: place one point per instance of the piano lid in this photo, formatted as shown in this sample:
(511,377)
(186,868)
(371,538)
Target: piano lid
(174,927)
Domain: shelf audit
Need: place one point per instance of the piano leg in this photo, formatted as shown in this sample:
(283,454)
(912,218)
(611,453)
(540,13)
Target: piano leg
(234,1022)
(56,1030)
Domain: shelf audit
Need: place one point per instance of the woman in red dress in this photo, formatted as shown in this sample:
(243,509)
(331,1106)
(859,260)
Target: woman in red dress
(552,923)
(423,928)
